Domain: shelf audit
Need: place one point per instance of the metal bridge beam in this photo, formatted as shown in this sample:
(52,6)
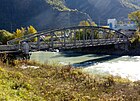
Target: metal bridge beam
(52,40)
(64,38)
(75,38)
(38,43)
(92,36)
(84,37)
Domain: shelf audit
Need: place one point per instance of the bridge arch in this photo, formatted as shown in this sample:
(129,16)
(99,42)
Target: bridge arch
(73,37)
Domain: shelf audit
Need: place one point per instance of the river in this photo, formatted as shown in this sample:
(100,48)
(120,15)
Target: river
(123,66)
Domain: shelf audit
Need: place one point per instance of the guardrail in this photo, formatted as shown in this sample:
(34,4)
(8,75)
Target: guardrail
(9,47)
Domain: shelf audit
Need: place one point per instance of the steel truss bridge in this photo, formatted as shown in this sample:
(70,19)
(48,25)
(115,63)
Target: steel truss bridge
(68,38)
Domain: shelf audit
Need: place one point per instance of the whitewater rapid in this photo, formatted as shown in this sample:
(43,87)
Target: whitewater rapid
(125,67)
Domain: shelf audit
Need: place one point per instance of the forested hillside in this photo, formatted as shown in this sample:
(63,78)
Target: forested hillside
(42,14)
(101,10)
(49,14)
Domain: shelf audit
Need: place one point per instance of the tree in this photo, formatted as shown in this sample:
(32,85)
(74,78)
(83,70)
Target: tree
(19,33)
(31,30)
(25,31)
(84,23)
(5,36)
(135,16)
(93,24)
(88,31)
(87,23)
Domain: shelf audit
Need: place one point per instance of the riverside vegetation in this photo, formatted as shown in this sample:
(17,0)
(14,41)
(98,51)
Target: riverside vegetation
(61,83)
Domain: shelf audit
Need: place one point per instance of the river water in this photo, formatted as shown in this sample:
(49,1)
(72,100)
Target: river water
(123,66)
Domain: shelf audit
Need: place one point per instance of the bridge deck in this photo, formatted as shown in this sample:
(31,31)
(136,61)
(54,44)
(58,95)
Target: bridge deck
(59,45)
(67,38)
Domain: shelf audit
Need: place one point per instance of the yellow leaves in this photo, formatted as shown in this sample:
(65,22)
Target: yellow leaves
(84,23)
(87,23)
(23,31)
(136,37)
(18,33)
(93,24)
(5,36)
(132,40)
(135,16)
(31,30)
(1,69)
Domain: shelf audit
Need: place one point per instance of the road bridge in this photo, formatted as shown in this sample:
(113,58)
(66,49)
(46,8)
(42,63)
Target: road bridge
(68,38)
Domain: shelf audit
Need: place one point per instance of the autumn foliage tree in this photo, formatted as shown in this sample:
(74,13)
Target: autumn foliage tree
(31,30)
(5,36)
(84,23)
(25,31)
(87,23)
(135,16)
(18,33)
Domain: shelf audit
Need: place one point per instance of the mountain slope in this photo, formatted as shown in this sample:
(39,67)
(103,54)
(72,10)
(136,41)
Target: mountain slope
(50,14)
(42,14)
(104,9)
(134,4)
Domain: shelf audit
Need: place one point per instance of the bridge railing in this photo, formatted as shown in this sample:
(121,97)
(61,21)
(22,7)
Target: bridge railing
(79,43)
(9,47)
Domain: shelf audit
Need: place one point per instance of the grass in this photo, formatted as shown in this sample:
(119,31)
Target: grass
(61,83)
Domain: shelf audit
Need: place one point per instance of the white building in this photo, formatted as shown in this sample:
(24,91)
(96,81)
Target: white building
(112,23)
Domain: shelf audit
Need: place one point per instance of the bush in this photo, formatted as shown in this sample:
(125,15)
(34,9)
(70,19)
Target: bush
(5,36)
(62,83)
(135,40)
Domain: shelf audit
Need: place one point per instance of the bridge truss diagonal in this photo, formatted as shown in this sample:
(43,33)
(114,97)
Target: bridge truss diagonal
(72,37)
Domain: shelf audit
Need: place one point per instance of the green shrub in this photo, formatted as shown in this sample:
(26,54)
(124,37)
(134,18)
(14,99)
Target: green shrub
(5,36)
